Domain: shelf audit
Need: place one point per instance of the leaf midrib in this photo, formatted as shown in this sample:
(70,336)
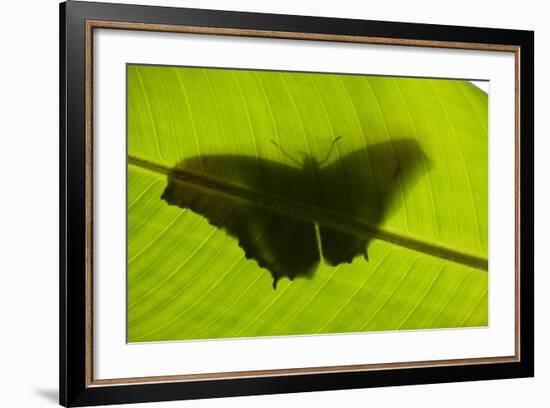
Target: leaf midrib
(311,213)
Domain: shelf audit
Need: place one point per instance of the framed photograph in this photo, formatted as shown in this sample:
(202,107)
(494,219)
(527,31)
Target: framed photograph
(257,203)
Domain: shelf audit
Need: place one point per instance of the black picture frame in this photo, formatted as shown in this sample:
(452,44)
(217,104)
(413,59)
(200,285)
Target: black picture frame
(76,383)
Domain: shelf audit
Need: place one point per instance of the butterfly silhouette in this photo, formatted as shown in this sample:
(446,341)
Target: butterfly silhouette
(364,184)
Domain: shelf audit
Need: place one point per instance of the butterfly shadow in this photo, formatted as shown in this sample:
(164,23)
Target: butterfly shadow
(367,184)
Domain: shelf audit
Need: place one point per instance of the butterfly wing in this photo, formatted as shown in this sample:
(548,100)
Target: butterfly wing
(255,174)
(368,184)
(284,245)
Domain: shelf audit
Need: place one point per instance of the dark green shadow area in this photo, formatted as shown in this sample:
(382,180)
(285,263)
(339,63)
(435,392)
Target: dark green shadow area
(367,184)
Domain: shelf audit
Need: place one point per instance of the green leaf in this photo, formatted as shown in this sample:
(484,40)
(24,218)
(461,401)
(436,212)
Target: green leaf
(406,182)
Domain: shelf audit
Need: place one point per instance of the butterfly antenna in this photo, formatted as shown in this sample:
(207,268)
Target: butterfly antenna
(285,153)
(327,156)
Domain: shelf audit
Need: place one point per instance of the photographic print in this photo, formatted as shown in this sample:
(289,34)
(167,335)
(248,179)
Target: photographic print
(274,203)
